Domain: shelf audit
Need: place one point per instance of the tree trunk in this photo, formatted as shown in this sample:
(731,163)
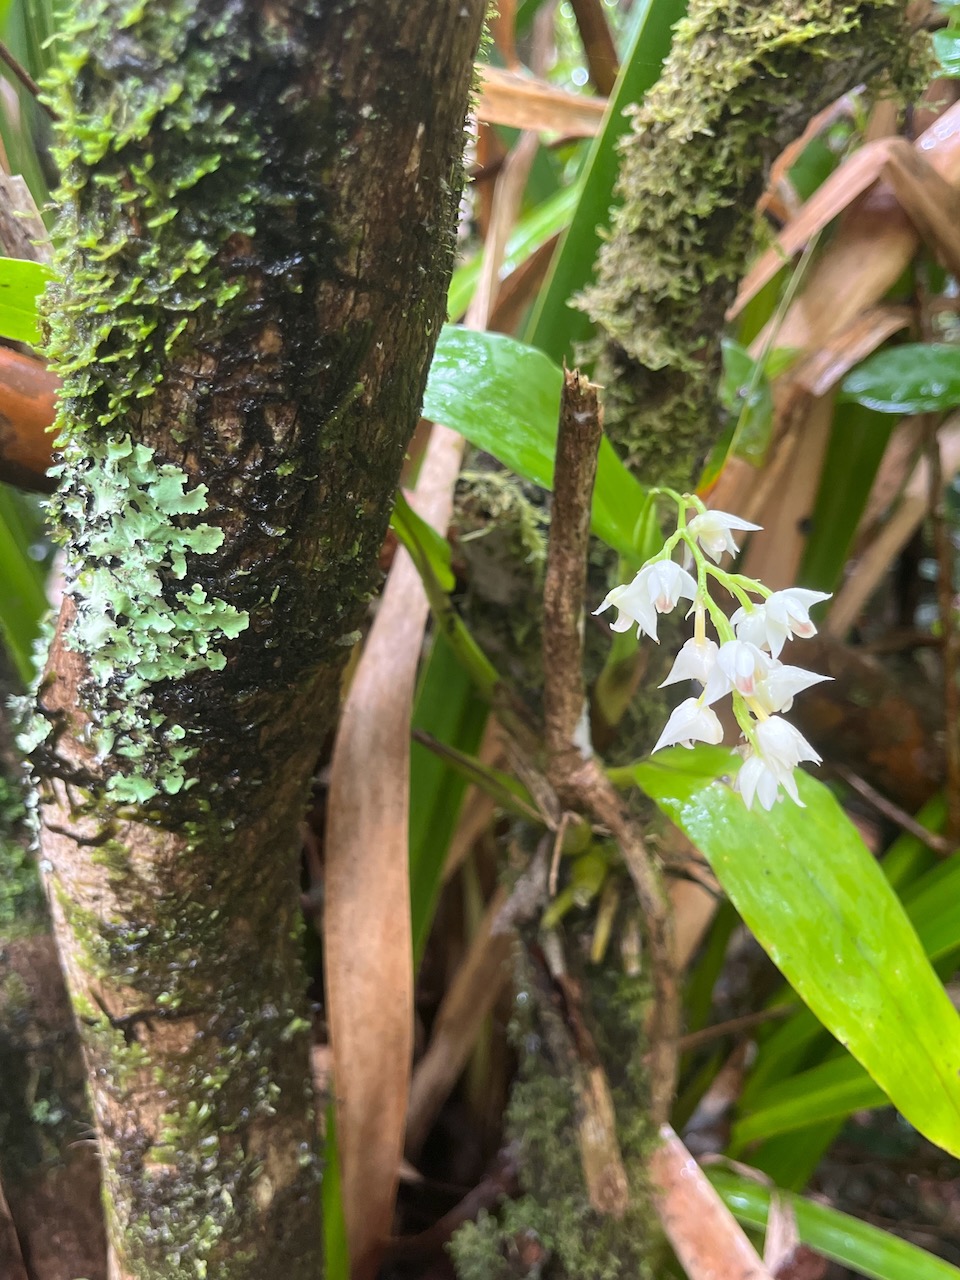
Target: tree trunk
(254,245)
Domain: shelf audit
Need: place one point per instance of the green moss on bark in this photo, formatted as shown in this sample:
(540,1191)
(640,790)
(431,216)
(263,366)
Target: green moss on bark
(553,1219)
(740,83)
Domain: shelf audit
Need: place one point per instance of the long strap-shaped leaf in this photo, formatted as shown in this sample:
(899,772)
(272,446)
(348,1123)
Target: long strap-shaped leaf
(820,906)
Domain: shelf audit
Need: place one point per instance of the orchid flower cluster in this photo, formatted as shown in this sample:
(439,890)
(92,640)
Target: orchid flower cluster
(745,663)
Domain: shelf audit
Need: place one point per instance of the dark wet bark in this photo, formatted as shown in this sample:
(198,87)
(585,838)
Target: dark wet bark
(255,241)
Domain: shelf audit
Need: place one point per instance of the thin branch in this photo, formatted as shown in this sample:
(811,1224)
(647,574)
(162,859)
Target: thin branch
(25,78)
(939,844)
(571,768)
(598,45)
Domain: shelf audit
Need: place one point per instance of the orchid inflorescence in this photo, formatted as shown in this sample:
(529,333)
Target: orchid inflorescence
(744,664)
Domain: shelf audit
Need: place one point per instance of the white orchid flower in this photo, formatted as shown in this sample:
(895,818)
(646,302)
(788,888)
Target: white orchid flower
(712,529)
(776,690)
(757,781)
(780,748)
(782,616)
(695,661)
(691,722)
(739,666)
(655,589)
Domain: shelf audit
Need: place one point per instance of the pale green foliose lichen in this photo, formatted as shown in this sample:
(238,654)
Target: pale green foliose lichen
(141,212)
(132,634)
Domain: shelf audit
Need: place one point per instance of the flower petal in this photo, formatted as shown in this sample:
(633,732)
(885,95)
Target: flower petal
(695,661)
(691,722)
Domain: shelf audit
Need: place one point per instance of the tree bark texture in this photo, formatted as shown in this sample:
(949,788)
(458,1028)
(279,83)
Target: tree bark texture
(254,243)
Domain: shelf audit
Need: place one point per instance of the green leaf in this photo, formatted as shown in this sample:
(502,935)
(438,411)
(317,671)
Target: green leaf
(532,231)
(745,392)
(854,1244)
(23,602)
(831,1091)
(421,539)
(820,906)
(21,284)
(556,327)
(858,438)
(504,397)
(946,47)
(447,707)
(918,377)
(336,1256)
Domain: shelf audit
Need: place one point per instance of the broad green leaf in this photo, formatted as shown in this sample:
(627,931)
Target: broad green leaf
(817,902)
(504,397)
(854,1244)
(556,326)
(918,377)
(21,284)
(830,1091)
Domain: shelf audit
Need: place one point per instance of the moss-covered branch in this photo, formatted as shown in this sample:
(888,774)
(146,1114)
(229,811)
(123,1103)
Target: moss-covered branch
(740,83)
(254,243)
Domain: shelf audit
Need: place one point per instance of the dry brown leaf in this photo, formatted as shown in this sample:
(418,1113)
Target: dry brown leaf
(503,25)
(780,199)
(874,561)
(469,999)
(367,933)
(525,102)
(929,200)
(598,44)
(875,245)
(774,555)
(783,1253)
(831,362)
(701,1229)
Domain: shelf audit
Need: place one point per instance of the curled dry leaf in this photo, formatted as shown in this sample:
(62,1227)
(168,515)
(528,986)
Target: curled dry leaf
(367,932)
(701,1229)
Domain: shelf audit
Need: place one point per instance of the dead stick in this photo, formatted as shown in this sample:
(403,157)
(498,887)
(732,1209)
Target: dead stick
(573,769)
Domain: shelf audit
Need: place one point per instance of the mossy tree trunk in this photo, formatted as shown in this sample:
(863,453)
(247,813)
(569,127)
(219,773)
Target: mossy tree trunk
(254,244)
(741,82)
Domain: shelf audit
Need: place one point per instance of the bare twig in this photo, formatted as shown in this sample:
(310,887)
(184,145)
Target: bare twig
(25,78)
(733,1026)
(572,768)
(939,844)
